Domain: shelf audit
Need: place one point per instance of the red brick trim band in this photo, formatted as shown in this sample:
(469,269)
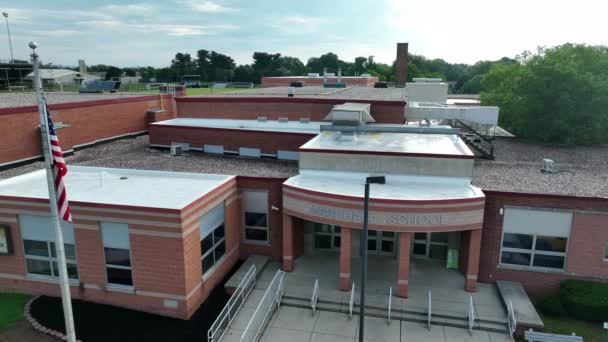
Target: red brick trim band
(68,105)
(385,153)
(39,327)
(271,99)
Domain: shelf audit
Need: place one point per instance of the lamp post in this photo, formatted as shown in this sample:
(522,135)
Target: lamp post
(368,182)
(8,30)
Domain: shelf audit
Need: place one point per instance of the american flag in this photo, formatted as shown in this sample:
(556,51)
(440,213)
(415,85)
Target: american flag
(60,169)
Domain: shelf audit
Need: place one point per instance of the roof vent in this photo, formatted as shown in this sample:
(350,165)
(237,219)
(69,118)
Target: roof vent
(547,165)
(350,114)
(304,120)
(177,150)
(262,119)
(283,119)
(348,137)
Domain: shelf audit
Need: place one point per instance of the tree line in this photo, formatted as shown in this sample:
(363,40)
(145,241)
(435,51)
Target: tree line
(213,66)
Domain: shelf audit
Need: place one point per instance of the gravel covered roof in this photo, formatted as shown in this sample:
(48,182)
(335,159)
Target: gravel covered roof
(29,98)
(135,154)
(580,171)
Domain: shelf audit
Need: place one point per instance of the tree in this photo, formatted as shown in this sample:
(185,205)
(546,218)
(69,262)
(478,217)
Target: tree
(557,95)
(243,73)
(203,64)
(265,64)
(112,72)
(360,65)
(183,64)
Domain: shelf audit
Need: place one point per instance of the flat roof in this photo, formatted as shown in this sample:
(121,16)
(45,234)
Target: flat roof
(320,76)
(293,126)
(393,143)
(154,189)
(21,99)
(348,93)
(397,187)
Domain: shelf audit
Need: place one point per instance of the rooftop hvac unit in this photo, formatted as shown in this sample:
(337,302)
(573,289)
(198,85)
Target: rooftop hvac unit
(304,120)
(547,165)
(177,150)
(283,119)
(262,119)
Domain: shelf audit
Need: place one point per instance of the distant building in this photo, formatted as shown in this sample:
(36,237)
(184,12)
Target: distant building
(63,76)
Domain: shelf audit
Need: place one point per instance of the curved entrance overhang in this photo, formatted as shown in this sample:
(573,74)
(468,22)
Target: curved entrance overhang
(403,204)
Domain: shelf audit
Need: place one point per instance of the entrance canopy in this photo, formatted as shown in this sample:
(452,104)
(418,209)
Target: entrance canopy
(403,204)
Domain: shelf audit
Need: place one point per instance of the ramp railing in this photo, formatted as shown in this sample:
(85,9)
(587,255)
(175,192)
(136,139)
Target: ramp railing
(236,301)
(511,321)
(428,319)
(351,303)
(471,315)
(315,297)
(390,305)
(270,302)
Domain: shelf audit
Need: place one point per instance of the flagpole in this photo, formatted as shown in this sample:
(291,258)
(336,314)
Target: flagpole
(59,247)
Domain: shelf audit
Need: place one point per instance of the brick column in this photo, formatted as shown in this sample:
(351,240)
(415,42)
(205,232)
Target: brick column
(472,267)
(405,240)
(346,238)
(287,243)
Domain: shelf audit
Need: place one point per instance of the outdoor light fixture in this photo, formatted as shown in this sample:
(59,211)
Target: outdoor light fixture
(368,181)
(8,31)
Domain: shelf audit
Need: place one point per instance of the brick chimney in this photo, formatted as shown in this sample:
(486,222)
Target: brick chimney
(401,65)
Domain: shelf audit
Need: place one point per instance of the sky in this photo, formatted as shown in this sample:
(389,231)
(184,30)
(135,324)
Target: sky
(129,33)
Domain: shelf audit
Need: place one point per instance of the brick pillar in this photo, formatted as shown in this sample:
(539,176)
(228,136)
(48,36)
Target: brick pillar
(346,238)
(405,246)
(401,64)
(287,243)
(472,268)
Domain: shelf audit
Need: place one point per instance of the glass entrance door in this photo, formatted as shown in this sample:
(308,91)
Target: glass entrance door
(380,242)
(327,236)
(431,245)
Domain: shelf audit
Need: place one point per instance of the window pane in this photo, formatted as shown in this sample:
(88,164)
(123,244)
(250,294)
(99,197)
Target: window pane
(255,220)
(256,234)
(388,234)
(606,251)
(420,249)
(439,237)
(322,241)
(322,228)
(438,252)
(371,245)
(219,233)
(70,251)
(419,236)
(42,267)
(39,248)
(220,250)
(207,262)
(551,261)
(371,233)
(206,244)
(119,257)
(514,258)
(551,244)
(387,246)
(337,229)
(72,270)
(119,276)
(337,241)
(521,241)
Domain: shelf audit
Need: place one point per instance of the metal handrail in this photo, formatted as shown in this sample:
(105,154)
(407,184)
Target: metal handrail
(429,312)
(352,301)
(390,305)
(315,297)
(471,315)
(270,302)
(236,301)
(511,321)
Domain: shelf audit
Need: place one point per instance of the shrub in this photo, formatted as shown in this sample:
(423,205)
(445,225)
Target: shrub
(552,306)
(585,300)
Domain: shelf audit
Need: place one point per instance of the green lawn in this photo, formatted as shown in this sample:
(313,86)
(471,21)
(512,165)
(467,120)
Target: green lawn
(11,308)
(591,331)
(204,91)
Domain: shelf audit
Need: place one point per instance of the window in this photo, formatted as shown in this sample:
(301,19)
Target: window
(327,236)
(255,204)
(213,237)
(606,251)
(38,236)
(535,238)
(117,253)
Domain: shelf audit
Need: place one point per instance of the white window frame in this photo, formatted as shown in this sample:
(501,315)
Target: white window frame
(266,229)
(214,243)
(118,267)
(533,252)
(50,258)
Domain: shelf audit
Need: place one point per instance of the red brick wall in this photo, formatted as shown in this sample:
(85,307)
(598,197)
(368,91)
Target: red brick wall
(89,121)
(585,251)
(275,219)
(231,139)
(309,81)
(274,107)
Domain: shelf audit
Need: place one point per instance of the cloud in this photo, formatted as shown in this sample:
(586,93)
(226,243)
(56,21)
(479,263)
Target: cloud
(297,24)
(57,33)
(178,30)
(129,8)
(209,7)
(301,20)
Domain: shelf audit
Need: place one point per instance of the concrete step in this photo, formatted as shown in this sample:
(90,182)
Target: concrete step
(401,315)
